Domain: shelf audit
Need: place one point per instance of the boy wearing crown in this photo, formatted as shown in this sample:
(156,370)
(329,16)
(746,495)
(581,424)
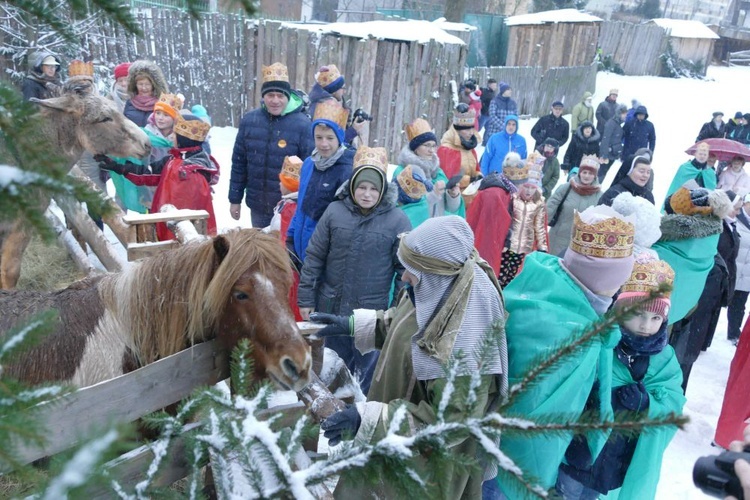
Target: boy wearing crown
(183,178)
(331,84)
(646,379)
(323,172)
(351,260)
(528,230)
(551,301)
(277,129)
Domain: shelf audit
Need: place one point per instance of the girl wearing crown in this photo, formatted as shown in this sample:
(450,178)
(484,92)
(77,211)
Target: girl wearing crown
(421,151)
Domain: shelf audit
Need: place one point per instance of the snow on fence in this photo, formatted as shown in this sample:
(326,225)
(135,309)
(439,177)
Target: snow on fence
(635,47)
(216,61)
(535,89)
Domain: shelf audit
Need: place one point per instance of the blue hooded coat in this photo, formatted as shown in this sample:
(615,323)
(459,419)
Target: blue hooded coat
(500,145)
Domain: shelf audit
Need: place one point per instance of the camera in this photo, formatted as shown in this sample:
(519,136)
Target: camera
(360,115)
(715,475)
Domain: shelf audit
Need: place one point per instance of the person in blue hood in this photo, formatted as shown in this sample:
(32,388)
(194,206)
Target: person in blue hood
(638,133)
(501,144)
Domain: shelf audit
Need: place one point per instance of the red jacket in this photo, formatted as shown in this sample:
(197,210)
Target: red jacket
(736,407)
(490,219)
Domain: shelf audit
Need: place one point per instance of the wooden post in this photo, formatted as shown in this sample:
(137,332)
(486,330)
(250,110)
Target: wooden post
(67,239)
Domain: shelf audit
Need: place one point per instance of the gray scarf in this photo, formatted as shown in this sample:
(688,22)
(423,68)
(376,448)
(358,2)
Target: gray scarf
(324,164)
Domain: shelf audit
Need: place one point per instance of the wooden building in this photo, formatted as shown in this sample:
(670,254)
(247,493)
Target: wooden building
(691,40)
(553,38)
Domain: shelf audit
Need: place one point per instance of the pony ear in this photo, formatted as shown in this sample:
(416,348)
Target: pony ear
(221,247)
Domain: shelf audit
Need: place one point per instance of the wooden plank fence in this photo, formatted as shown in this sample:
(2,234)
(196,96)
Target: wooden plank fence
(216,61)
(535,89)
(635,47)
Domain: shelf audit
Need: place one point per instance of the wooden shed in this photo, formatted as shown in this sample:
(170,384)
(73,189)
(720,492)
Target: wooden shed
(553,38)
(691,40)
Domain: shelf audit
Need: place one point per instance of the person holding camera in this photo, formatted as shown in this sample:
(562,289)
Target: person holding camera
(646,379)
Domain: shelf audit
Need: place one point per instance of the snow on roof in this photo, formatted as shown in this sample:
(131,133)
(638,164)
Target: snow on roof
(680,28)
(552,16)
(447,25)
(409,30)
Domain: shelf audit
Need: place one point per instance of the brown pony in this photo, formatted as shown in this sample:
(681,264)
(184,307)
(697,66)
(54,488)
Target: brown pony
(77,121)
(231,287)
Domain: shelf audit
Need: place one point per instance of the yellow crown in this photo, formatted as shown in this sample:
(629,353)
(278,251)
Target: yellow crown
(276,72)
(611,238)
(590,161)
(375,157)
(412,187)
(291,167)
(647,276)
(516,173)
(80,68)
(327,75)
(196,130)
(418,127)
(332,110)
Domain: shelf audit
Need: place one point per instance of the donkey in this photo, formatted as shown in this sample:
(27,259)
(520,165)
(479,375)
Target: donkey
(77,121)
(231,287)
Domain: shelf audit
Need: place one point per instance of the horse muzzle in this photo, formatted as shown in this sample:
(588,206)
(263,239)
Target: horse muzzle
(290,375)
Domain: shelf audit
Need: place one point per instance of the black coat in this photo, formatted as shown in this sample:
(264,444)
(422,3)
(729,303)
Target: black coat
(351,259)
(729,247)
(604,112)
(487,95)
(638,134)
(37,84)
(136,115)
(550,126)
(625,185)
(262,142)
(709,131)
(580,145)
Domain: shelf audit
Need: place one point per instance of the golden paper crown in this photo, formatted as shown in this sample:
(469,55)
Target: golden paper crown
(534,164)
(611,238)
(412,187)
(80,68)
(516,174)
(196,130)
(647,276)
(681,203)
(175,101)
(332,110)
(590,161)
(464,119)
(276,72)
(375,157)
(327,75)
(291,167)
(418,127)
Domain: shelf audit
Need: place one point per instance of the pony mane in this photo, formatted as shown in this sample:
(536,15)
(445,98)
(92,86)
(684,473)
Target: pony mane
(176,299)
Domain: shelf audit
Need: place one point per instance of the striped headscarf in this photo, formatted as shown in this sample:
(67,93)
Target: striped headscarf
(457,300)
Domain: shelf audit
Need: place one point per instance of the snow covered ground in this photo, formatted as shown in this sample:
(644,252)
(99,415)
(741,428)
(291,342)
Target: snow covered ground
(677,108)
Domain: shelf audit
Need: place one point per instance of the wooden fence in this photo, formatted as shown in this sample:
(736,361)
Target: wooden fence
(535,89)
(635,47)
(216,61)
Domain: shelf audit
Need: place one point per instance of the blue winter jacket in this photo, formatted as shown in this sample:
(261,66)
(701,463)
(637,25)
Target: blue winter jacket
(500,145)
(263,140)
(316,191)
(638,134)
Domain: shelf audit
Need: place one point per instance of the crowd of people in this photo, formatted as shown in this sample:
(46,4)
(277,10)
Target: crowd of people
(478,259)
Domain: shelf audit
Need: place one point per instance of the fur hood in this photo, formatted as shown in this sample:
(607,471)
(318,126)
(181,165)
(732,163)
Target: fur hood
(152,71)
(409,157)
(647,218)
(35,67)
(675,227)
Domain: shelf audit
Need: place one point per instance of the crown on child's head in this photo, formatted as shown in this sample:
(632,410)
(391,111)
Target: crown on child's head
(648,275)
(292,166)
(196,130)
(610,238)
(331,110)
(80,68)
(327,75)
(374,157)
(413,188)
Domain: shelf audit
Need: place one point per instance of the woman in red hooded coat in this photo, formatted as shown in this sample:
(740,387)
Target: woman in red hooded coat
(735,411)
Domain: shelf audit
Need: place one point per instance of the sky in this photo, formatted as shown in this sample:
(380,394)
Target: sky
(678,108)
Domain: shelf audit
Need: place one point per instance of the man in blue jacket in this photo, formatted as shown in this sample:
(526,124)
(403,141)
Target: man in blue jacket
(266,135)
(501,144)
(638,133)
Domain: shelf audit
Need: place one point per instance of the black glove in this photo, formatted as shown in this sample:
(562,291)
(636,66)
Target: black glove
(338,326)
(565,167)
(341,425)
(107,163)
(633,396)
(296,262)
(454,181)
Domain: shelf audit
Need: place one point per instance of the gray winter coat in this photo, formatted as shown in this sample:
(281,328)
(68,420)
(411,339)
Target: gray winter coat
(559,234)
(351,258)
(611,145)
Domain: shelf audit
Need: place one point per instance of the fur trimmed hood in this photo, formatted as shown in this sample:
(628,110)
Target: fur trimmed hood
(152,71)
(408,157)
(675,227)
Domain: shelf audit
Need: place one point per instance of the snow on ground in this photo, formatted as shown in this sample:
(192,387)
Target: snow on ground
(677,108)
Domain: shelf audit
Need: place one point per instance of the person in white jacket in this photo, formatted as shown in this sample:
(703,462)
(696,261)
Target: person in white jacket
(735,178)
(736,309)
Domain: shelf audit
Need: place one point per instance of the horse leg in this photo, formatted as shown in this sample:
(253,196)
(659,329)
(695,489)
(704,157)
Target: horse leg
(13,247)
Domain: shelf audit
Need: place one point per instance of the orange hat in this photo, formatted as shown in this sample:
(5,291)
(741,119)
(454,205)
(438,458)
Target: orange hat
(170,104)
(290,171)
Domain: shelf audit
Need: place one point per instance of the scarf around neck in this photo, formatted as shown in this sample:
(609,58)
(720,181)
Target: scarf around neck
(144,102)
(584,189)
(639,345)
(323,164)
